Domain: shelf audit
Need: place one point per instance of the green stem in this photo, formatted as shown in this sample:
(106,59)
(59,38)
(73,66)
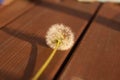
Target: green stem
(41,70)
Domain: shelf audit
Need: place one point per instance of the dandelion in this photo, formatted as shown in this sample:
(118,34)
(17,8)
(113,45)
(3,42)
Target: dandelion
(62,33)
(59,37)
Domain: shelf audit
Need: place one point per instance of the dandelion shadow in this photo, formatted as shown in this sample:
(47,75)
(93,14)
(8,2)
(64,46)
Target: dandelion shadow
(31,63)
(25,36)
(33,40)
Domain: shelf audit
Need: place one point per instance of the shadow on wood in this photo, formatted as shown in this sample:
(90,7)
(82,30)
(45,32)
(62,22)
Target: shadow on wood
(33,40)
(77,13)
(108,23)
(31,63)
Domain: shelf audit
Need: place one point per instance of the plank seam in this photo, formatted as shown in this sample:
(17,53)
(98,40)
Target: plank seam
(17,17)
(80,38)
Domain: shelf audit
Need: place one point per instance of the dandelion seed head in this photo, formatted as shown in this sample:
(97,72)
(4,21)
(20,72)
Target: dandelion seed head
(60,32)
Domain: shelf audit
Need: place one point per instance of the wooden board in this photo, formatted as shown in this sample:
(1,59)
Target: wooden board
(71,7)
(11,12)
(98,55)
(23,49)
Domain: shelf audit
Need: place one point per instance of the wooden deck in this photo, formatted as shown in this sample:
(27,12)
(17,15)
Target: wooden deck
(94,56)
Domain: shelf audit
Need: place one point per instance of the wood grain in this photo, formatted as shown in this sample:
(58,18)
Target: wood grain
(98,55)
(11,12)
(22,43)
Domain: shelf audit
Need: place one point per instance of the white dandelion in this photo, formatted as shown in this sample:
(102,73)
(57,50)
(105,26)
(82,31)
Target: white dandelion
(60,32)
(59,37)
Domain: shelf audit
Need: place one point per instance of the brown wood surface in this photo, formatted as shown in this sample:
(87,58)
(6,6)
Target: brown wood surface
(23,49)
(12,11)
(98,55)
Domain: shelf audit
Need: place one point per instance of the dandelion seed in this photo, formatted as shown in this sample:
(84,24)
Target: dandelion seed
(62,33)
(59,37)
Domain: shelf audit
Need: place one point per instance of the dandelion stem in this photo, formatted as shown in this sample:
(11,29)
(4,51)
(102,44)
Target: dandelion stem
(41,70)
